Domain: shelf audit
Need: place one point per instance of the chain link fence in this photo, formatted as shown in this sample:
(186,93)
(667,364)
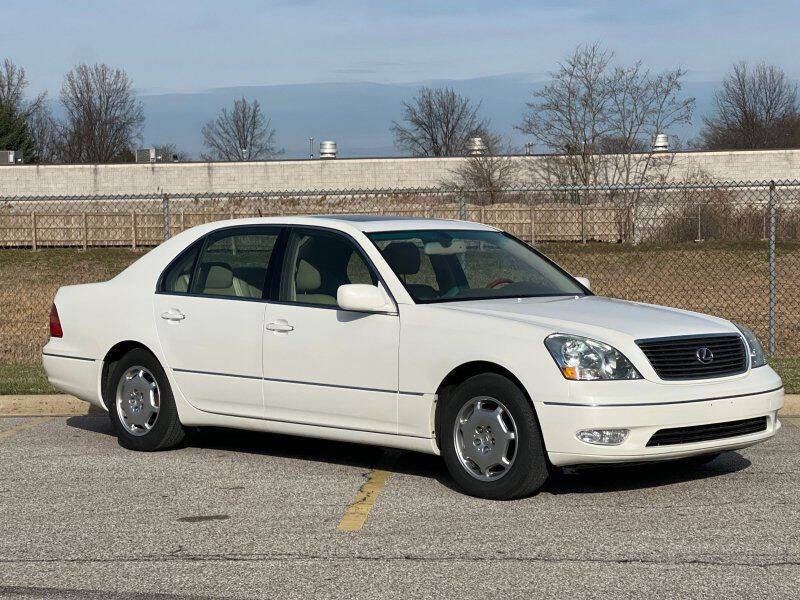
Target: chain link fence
(731,249)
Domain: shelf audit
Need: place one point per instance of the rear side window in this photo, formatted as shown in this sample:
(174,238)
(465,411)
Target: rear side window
(177,277)
(233,263)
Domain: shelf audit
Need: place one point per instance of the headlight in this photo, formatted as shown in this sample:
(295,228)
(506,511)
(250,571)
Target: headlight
(757,357)
(582,359)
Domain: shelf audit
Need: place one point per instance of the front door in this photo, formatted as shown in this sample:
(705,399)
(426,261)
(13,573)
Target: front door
(324,366)
(210,318)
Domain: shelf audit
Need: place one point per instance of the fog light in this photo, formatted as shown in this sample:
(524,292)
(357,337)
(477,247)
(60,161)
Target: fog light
(603,437)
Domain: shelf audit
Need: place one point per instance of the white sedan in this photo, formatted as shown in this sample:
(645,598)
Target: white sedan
(444,337)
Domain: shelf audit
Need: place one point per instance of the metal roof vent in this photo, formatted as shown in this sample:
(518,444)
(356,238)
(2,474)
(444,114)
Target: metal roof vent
(327,149)
(10,157)
(146,155)
(661,143)
(476,147)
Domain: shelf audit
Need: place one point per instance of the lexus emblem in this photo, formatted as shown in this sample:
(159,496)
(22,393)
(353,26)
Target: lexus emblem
(704,355)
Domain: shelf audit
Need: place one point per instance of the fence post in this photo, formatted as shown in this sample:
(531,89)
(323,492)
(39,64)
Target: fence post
(772,273)
(628,223)
(85,232)
(699,221)
(462,208)
(583,220)
(133,230)
(165,216)
(34,243)
(183,220)
(533,225)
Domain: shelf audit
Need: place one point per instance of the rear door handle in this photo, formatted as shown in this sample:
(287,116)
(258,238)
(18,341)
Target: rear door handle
(173,315)
(279,326)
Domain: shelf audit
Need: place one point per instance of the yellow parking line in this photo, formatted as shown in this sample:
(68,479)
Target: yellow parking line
(24,426)
(359,509)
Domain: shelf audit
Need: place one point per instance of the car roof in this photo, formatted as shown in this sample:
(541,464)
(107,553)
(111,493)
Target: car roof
(364,223)
(393,223)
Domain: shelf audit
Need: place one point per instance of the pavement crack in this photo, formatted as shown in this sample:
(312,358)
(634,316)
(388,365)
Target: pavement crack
(176,556)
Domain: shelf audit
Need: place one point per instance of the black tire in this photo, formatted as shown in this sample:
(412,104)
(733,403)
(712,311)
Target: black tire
(167,431)
(529,469)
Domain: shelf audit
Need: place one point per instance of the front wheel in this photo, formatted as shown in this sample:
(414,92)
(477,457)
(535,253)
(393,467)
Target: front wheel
(490,439)
(141,405)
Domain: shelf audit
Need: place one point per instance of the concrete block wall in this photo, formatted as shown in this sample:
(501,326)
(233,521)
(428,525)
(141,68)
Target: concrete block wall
(296,175)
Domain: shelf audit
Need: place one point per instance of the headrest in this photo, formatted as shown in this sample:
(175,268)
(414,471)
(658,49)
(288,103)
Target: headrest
(403,257)
(219,277)
(307,278)
(182,283)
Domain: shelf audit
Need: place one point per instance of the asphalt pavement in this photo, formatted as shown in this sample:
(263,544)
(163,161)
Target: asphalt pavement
(245,515)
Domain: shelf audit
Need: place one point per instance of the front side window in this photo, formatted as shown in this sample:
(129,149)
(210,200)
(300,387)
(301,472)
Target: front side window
(450,265)
(316,263)
(233,263)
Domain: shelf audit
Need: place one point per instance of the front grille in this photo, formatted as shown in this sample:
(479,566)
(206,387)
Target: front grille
(677,357)
(703,433)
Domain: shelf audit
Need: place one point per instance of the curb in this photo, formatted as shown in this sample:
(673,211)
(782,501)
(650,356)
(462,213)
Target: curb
(45,405)
(58,405)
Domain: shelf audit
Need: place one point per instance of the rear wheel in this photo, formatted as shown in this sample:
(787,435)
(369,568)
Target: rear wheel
(141,405)
(490,439)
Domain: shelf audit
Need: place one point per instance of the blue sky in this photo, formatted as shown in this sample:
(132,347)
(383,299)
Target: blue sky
(194,45)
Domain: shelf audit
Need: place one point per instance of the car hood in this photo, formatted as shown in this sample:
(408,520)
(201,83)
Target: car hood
(596,315)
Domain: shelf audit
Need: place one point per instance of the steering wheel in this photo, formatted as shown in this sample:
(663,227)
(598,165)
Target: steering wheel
(501,281)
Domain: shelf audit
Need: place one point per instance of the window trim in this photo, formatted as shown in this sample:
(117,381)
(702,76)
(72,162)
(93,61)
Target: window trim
(559,268)
(272,283)
(202,242)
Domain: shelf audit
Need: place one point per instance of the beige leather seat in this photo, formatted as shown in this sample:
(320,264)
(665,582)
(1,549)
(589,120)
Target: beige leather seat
(182,284)
(249,281)
(219,281)
(405,259)
(308,281)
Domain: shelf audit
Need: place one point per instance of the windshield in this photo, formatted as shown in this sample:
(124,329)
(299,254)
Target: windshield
(450,265)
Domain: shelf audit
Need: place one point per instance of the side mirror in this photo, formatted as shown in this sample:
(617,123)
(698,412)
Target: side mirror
(584,282)
(360,297)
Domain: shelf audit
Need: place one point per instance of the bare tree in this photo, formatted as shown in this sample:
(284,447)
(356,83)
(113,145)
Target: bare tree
(599,119)
(486,176)
(104,118)
(44,131)
(756,108)
(23,120)
(13,82)
(438,122)
(242,133)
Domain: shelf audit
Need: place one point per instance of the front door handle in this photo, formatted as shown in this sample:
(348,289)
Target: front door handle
(279,326)
(173,314)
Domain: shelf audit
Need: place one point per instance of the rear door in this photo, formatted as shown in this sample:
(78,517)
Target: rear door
(209,312)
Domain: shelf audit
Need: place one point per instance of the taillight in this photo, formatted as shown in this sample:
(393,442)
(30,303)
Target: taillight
(55,323)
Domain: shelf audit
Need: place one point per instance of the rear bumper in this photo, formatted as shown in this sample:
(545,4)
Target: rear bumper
(74,375)
(560,423)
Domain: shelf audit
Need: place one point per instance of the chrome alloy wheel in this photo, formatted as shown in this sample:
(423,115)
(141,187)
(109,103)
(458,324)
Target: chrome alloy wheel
(138,400)
(485,437)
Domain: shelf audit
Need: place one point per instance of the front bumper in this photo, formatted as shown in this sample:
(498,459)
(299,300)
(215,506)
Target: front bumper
(560,422)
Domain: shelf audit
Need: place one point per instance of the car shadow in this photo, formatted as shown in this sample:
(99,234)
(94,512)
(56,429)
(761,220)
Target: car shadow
(609,478)
(589,480)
